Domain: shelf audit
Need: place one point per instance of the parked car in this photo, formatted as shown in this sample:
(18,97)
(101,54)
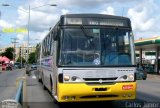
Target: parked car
(17,65)
(141,74)
(149,68)
(34,66)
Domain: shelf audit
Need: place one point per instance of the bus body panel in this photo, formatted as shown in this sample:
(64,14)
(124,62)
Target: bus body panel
(83,92)
(47,71)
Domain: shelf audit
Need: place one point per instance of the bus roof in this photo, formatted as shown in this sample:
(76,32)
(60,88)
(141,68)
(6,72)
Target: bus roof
(93,16)
(95,19)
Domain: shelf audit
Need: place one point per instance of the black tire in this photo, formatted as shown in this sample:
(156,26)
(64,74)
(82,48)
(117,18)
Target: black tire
(51,84)
(55,101)
(44,87)
(144,78)
(39,79)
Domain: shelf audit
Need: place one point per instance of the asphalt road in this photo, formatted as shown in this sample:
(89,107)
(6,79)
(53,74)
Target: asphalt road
(148,96)
(8,83)
(148,93)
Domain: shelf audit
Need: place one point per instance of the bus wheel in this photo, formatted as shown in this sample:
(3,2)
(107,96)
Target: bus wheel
(39,79)
(44,87)
(55,101)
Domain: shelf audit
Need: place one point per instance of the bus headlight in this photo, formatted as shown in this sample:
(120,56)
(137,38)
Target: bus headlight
(75,78)
(125,77)
(130,77)
(66,78)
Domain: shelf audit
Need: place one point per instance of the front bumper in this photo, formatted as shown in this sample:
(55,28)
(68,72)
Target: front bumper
(70,92)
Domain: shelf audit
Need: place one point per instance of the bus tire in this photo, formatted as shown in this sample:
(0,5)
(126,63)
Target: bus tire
(55,101)
(144,78)
(51,84)
(44,87)
(39,79)
(52,94)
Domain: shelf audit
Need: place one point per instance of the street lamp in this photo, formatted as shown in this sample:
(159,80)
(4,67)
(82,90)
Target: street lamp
(5,5)
(29,8)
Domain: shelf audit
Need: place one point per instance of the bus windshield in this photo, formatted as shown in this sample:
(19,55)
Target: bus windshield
(91,46)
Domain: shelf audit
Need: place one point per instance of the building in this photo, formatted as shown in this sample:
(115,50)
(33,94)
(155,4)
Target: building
(2,50)
(22,51)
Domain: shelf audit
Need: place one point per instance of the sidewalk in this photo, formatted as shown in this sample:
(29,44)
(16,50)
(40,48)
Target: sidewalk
(36,97)
(153,76)
(35,92)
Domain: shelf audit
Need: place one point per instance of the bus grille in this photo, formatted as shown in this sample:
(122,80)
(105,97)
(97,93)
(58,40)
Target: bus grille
(103,83)
(99,96)
(97,79)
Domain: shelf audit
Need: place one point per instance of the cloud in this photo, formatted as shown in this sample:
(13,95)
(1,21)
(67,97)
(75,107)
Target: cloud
(37,36)
(144,20)
(141,20)
(42,18)
(20,37)
(39,20)
(5,24)
(89,3)
(34,37)
(64,11)
(109,10)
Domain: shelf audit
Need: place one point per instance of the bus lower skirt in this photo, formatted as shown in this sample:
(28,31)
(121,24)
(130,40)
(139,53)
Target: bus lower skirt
(98,96)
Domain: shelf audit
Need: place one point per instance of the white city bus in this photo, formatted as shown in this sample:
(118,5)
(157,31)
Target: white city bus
(89,57)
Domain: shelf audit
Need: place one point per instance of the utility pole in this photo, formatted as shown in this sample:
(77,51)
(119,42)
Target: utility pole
(20,55)
(14,47)
(122,11)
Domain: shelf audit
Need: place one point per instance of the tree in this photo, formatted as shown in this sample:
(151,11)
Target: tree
(37,51)
(32,58)
(19,60)
(8,53)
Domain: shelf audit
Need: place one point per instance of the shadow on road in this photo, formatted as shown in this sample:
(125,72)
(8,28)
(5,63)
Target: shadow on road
(104,104)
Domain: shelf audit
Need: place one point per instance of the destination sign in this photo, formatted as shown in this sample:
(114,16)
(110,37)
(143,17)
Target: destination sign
(97,21)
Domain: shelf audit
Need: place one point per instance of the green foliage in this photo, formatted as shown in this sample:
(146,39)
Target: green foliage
(8,53)
(32,58)
(37,52)
(19,60)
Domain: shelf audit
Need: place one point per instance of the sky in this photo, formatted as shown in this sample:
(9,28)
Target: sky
(144,16)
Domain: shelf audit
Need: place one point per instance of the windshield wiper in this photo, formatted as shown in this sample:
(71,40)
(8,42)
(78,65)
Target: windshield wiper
(85,32)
